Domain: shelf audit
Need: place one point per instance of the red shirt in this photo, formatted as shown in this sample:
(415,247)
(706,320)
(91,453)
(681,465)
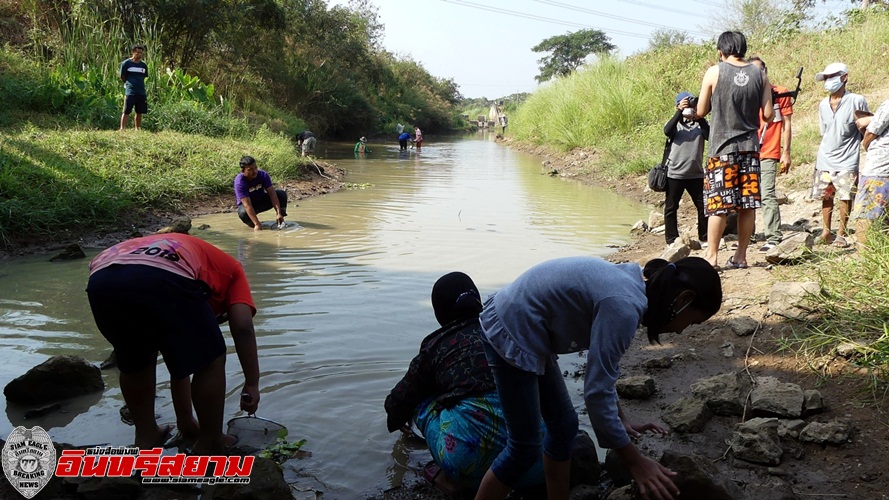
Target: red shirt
(770,142)
(186,256)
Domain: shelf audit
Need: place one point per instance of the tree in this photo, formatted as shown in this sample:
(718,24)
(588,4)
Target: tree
(569,51)
(663,38)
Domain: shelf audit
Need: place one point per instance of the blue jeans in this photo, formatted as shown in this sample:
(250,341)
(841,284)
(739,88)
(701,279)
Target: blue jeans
(525,397)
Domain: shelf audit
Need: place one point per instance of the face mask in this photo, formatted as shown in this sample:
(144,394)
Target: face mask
(831,85)
(688,112)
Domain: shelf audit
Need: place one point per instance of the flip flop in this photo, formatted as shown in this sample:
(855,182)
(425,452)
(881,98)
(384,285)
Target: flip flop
(840,242)
(731,264)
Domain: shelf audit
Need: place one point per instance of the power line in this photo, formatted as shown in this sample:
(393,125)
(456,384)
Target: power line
(541,18)
(667,9)
(612,16)
(712,4)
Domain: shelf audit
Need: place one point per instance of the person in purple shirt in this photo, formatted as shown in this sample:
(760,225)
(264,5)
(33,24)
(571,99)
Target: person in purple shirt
(568,305)
(256,194)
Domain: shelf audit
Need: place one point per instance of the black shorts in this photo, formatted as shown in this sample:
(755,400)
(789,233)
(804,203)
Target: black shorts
(142,310)
(140,102)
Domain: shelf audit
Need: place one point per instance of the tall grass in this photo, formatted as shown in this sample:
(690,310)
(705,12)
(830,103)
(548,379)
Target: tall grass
(53,181)
(853,307)
(619,108)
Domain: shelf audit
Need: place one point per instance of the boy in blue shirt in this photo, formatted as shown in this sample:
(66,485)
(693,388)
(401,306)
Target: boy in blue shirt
(133,72)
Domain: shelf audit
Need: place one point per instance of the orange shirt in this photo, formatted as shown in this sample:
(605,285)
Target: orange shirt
(186,256)
(770,138)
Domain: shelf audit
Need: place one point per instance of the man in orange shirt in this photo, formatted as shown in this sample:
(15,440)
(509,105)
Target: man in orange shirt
(169,293)
(774,157)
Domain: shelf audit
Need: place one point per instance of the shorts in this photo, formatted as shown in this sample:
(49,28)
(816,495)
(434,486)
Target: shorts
(732,183)
(830,184)
(142,310)
(140,102)
(309,145)
(870,202)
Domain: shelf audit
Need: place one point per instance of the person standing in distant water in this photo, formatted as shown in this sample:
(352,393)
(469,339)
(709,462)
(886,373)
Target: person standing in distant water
(418,137)
(305,140)
(504,121)
(736,91)
(133,72)
(256,194)
(774,159)
(361,146)
(402,140)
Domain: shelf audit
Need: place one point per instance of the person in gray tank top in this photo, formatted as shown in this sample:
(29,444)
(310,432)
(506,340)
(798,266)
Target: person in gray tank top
(735,91)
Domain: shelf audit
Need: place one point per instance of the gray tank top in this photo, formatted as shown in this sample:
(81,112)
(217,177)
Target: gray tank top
(735,105)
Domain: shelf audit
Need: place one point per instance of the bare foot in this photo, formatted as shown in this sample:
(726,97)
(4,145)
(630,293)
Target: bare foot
(157,439)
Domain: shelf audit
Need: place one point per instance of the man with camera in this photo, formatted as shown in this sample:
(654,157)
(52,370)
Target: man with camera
(774,158)
(735,91)
(685,168)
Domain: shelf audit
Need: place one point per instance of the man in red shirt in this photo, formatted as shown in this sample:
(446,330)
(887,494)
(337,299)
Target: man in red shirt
(168,293)
(774,158)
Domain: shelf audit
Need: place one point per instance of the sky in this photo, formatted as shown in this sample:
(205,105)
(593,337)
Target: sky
(485,45)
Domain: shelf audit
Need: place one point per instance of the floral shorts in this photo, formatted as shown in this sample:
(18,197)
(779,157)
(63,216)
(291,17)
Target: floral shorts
(870,202)
(732,183)
(830,184)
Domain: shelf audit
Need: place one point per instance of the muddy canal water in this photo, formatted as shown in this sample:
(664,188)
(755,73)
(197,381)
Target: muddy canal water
(343,298)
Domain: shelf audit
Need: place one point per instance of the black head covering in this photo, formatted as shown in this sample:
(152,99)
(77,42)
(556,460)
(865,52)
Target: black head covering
(455,297)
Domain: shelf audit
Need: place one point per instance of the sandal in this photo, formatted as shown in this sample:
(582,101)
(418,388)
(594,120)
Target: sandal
(840,242)
(731,264)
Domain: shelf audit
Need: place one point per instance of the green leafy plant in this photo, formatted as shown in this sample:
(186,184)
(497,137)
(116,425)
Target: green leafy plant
(283,450)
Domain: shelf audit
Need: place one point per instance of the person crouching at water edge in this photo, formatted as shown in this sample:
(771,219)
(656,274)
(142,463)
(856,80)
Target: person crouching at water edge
(168,293)
(568,305)
(256,194)
(449,393)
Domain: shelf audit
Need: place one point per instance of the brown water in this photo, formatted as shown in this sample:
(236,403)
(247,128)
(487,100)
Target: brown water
(343,297)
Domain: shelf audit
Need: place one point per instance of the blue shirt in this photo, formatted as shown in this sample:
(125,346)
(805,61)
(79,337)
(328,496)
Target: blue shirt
(567,305)
(403,137)
(135,73)
(840,139)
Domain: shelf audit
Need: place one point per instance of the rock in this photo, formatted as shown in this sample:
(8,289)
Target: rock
(584,492)
(655,218)
(71,252)
(636,387)
(850,350)
(688,415)
(59,377)
(757,441)
(773,397)
(179,225)
(793,299)
(812,402)
(676,251)
(790,428)
(658,229)
(639,227)
(585,468)
(44,410)
(773,489)
(101,488)
(617,470)
(698,478)
(266,482)
(743,325)
(690,239)
(835,432)
(783,199)
(728,350)
(724,394)
(203,227)
(658,363)
(792,249)
(627,492)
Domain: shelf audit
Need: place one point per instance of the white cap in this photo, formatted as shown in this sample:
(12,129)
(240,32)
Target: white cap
(831,69)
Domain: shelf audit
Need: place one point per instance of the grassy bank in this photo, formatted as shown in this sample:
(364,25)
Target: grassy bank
(619,108)
(55,180)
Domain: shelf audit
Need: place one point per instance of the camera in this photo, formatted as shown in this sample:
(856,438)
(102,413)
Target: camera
(693,102)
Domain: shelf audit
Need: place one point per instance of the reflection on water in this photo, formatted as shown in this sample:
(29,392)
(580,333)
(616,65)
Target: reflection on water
(343,297)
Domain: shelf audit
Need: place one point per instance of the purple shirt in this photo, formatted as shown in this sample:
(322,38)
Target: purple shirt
(255,189)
